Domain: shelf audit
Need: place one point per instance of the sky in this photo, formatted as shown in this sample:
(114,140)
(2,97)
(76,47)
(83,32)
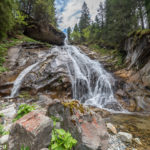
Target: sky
(70,11)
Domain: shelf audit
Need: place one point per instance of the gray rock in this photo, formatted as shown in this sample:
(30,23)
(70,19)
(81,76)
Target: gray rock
(9,111)
(51,74)
(85,126)
(7,127)
(44,100)
(125,137)
(115,143)
(32,130)
(4,139)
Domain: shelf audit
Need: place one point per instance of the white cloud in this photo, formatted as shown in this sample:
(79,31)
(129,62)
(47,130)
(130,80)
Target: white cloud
(71,11)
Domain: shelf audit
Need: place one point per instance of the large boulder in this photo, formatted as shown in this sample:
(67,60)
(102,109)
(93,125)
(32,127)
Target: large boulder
(85,126)
(33,131)
(44,33)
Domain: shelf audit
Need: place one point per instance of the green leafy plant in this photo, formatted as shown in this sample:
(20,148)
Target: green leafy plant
(2,131)
(25,148)
(5,147)
(61,140)
(23,110)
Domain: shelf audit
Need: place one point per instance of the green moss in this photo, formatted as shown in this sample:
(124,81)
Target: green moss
(74,105)
(2,69)
(139,33)
(25,95)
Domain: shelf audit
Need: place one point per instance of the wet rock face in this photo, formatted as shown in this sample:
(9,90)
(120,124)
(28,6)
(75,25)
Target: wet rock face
(87,127)
(44,33)
(50,74)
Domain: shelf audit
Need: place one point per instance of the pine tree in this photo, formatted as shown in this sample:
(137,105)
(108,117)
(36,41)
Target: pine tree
(147,6)
(41,10)
(44,11)
(120,19)
(76,28)
(141,12)
(6,17)
(101,14)
(75,35)
(84,19)
(97,21)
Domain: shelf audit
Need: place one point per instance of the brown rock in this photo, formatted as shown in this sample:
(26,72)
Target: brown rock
(112,128)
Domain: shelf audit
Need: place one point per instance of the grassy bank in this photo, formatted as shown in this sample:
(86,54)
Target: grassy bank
(116,58)
(6,44)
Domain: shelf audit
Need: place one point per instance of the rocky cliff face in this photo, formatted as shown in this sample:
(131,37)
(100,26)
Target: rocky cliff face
(134,89)
(44,33)
(137,47)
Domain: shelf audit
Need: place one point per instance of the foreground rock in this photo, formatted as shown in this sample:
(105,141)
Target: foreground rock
(85,126)
(125,137)
(112,128)
(115,143)
(33,131)
(4,139)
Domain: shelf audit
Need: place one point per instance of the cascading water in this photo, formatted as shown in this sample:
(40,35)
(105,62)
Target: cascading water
(91,84)
(18,82)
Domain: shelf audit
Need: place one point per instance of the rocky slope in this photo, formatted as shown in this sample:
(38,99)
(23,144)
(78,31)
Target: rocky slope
(43,86)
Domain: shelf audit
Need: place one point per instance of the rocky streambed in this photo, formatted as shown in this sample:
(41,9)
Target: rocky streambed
(48,86)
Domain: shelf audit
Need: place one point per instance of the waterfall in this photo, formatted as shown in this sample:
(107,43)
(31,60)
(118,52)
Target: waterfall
(19,80)
(91,83)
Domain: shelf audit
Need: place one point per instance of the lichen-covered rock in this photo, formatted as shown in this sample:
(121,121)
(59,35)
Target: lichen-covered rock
(33,131)
(85,126)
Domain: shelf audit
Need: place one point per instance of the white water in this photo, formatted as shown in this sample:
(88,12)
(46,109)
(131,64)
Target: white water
(91,83)
(18,82)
